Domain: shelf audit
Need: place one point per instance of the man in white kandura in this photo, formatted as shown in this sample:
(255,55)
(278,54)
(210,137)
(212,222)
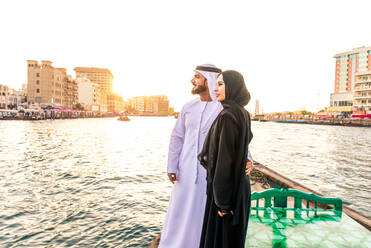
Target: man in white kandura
(183,222)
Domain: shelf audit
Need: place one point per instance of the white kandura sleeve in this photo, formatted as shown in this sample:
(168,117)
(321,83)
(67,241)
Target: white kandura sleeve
(249,157)
(176,144)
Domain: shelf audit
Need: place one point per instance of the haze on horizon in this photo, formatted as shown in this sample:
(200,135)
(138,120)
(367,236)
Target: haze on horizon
(284,49)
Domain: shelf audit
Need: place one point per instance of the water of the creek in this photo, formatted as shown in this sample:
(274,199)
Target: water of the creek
(102,182)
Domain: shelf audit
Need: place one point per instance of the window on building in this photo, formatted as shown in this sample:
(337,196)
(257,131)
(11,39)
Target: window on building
(37,81)
(37,74)
(37,90)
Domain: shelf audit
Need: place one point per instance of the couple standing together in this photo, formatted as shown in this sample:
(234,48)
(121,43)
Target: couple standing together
(208,162)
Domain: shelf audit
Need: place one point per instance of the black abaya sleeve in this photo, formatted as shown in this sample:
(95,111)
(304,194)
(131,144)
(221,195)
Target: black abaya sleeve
(224,169)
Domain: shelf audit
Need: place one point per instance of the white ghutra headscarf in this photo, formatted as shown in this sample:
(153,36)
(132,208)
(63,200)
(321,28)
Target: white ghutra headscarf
(211,73)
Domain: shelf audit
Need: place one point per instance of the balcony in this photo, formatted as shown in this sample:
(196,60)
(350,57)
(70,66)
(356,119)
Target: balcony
(363,80)
(362,104)
(362,97)
(362,88)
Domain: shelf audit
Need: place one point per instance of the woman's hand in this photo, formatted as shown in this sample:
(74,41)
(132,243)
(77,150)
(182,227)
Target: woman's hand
(248,168)
(224,212)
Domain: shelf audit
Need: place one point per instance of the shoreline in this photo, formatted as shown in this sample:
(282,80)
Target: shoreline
(343,123)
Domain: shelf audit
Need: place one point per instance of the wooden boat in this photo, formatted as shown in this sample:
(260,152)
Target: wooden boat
(263,179)
(123,118)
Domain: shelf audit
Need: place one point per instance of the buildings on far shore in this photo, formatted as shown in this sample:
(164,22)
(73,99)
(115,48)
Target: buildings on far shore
(115,103)
(149,105)
(352,92)
(101,76)
(50,86)
(104,79)
(88,94)
(4,96)
(11,98)
(91,90)
(362,91)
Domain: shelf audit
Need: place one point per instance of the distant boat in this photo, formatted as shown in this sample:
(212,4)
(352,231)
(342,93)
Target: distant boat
(123,118)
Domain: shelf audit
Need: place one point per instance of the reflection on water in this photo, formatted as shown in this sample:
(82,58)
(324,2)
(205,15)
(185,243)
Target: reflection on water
(102,182)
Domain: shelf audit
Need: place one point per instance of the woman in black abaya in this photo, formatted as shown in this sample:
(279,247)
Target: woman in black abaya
(224,156)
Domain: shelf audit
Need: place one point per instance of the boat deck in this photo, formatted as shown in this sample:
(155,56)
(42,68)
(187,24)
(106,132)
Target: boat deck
(263,178)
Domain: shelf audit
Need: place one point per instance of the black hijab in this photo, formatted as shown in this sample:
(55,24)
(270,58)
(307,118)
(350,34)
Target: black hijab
(225,150)
(235,89)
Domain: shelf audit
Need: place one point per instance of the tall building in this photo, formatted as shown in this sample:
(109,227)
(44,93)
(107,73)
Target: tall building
(47,85)
(257,107)
(115,103)
(347,66)
(349,63)
(88,94)
(362,91)
(101,76)
(4,96)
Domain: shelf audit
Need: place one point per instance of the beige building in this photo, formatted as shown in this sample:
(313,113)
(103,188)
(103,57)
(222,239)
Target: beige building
(47,85)
(70,92)
(4,96)
(14,99)
(101,76)
(137,103)
(341,102)
(362,91)
(88,94)
(150,104)
(115,103)
(160,104)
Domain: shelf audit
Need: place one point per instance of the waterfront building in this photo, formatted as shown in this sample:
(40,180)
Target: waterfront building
(115,103)
(257,107)
(347,65)
(4,96)
(158,105)
(137,103)
(88,94)
(103,107)
(362,91)
(70,92)
(148,104)
(23,93)
(14,99)
(171,110)
(341,102)
(101,76)
(47,85)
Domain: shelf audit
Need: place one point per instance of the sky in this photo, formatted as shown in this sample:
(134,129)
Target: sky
(283,48)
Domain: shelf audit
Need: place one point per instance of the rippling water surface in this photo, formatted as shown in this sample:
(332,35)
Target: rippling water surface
(102,183)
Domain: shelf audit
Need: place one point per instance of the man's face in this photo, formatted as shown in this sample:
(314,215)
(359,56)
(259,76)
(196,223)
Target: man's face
(199,83)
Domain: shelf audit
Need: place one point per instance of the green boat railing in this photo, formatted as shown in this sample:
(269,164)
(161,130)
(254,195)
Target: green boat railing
(305,210)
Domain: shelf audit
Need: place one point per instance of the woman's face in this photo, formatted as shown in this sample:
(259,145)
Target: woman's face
(220,88)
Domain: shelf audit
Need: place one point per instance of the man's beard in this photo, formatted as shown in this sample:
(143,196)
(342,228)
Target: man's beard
(198,89)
